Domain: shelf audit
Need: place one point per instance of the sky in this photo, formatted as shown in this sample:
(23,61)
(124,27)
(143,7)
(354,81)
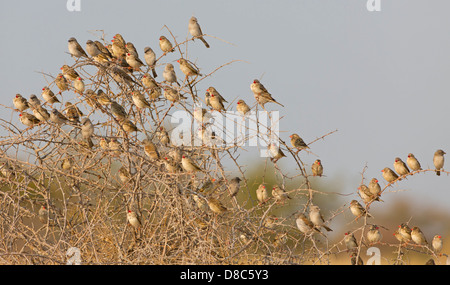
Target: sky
(380,78)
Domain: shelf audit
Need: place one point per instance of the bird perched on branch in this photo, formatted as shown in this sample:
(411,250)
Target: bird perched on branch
(20,103)
(389,175)
(438,161)
(297,142)
(169,74)
(28,119)
(279,194)
(165,45)
(234,186)
(317,168)
(275,152)
(150,59)
(49,96)
(261,194)
(196,31)
(358,210)
(413,163)
(134,219)
(189,165)
(242,107)
(400,167)
(315,216)
(374,235)
(418,237)
(75,49)
(261,94)
(187,68)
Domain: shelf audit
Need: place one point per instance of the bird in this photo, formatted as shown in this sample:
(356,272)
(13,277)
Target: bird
(67,163)
(437,243)
(279,194)
(297,142)
(92,49)
(20,103)
(75,49)
(169,74)
(358,210)
(418,237)
(366,195)
(118,110)
(61,82)
(196,31)
(134,219)
(305,225)
(213,91)
(28,119)
(438,161)
(261,94)
(150,59)
(124,174)
(400,166)
(389,175)
(234,186)
(134,61)
(171,165)
(317,168)
(261,194)
(350,241)
(73,113)
(69,73)
(103,98)
(201,114)
(242,107)
(130,48)
(118,49)
(413,163)
(315,216)
(162,135)
(139,100)
(41,113)
(57,118)
(374,187)
(33,101)
(275,152)
(187,68)
(405,232)
(216,103)
(216,206)
(165,45)
(148,81)
(49,96)
(172,94)
(128,126)
(374,235)
(43,214)
(87,128)
(189,165)
(150,149)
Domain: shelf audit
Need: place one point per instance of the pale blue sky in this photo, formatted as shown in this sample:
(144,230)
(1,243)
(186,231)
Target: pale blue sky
(380,78)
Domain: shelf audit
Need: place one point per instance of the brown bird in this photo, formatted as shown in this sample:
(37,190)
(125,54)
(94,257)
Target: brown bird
(275,152)
(20,103)
(350,241)
(374,187)
(389,175)
(358,210)
(216,206)
(437,243)
(150,149)
(242,107)
(418,237)
(438,161)
(61,82)
(405,232)
(261,194)
(187,68)
(134,61)
(49,96)
(261,94)
(41,113)
(305,225)
(279,194)
(28,119)
(413,163)
(69,73)
(374,235)
(189,165)
(196,31)
(315,216)
(165,45)
(75,49)
(73,113)
(317,168)
(400,167)
(297,142)
(234,186)
(134,219)
(150,59)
